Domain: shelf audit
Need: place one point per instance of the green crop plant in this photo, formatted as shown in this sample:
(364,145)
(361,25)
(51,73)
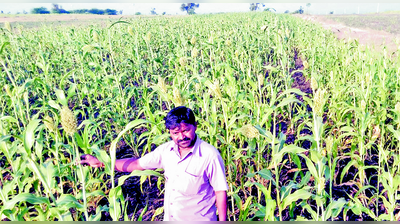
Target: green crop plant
(307,125)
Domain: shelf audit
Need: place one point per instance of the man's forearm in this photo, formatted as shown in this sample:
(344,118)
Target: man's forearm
(127,165)
(221,204)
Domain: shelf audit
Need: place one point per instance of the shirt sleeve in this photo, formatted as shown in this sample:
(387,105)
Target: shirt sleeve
(152,160)
(216,173)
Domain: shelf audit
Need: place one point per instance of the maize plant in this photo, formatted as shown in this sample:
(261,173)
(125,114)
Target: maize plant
(307,125)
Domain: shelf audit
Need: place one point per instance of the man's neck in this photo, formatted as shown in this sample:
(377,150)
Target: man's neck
(184,152)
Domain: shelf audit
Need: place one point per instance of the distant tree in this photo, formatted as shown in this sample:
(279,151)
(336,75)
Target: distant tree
(63,11)
(57,9)
(96,11)
(269,10)
(255,6)
(287,11)
(120,12)
(153,11)
(79,11)
(331,12)
(41,10)
(25,12)
(18,13)
(308,7)
(110,12)
(138,13)
(299,11)
(163,13)
(189,8)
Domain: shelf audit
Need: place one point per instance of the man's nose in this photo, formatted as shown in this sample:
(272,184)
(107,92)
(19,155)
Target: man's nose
(181,136)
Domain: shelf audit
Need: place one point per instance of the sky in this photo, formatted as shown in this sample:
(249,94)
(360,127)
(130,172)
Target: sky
(173,8)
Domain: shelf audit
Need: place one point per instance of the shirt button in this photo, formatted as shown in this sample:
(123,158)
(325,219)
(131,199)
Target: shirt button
(173,189)
(171,203)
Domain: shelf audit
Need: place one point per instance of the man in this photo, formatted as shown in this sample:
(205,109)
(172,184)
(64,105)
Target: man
(195,181)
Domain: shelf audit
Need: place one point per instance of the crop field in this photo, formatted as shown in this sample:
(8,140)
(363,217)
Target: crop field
(388,22)
(307,125)
(28,21)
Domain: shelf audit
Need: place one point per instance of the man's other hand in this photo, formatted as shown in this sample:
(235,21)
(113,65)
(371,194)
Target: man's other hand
(89,160)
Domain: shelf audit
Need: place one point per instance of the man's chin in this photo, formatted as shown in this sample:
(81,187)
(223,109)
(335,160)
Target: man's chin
(185,144)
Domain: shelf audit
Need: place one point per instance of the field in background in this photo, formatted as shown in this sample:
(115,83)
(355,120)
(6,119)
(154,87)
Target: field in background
(388,22)
(378,31)
(307,124)
(36,20)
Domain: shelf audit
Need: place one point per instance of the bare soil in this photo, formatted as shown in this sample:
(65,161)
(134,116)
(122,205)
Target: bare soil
(366,36)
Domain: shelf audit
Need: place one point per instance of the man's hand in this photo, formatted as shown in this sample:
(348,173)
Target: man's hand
(89,160)
(121,165)
(221,204)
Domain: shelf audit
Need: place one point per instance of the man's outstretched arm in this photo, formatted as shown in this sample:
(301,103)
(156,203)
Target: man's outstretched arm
(122,165)
(221,204)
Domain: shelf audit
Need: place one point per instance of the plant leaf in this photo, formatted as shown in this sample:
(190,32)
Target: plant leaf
(29,135)
(299,194)
(61,97)
(25,197)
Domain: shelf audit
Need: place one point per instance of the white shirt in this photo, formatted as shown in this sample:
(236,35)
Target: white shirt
(191,182)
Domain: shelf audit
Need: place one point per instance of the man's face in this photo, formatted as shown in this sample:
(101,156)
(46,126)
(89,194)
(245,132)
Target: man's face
(184,135)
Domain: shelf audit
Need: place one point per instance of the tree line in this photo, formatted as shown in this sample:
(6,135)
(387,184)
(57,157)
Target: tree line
(57,9)
(257,6)
(189,8)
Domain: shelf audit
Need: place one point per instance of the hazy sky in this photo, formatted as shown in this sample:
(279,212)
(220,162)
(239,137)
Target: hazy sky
(173,8)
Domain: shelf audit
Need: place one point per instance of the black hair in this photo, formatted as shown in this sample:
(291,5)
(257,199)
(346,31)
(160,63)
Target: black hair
(179,115)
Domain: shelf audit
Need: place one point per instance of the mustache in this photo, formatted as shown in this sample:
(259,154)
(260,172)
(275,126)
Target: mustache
(185,139)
